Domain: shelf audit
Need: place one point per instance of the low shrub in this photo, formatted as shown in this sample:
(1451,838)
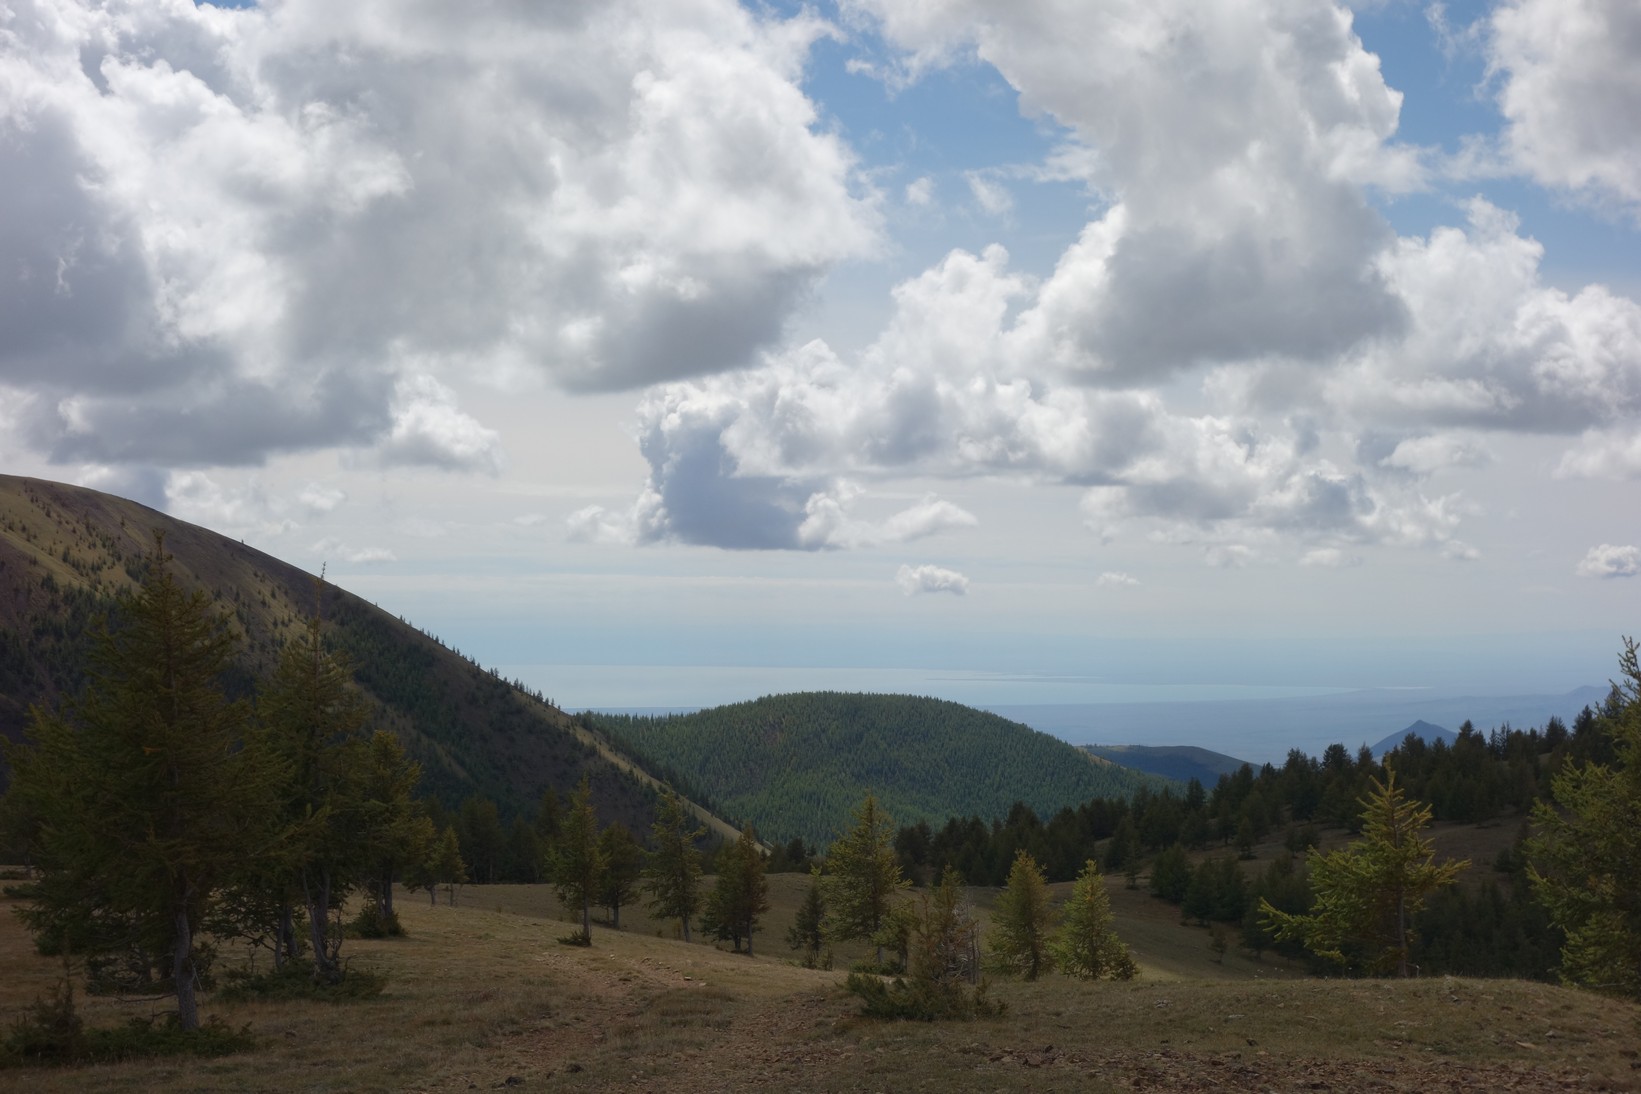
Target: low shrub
(51,1033)
(294,980)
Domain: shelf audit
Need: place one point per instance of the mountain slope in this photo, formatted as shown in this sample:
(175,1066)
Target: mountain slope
(1181,762)
(1421,729)
(795,765)
(67,552)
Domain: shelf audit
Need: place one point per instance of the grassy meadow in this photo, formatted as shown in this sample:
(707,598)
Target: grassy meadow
(482,996)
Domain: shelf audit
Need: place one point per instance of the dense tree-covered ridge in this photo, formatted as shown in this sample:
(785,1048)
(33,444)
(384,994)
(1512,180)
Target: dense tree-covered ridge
(67,552)
(794,765)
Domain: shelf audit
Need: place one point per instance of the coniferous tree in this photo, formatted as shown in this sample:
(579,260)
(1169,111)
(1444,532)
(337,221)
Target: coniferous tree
(312,717)
(483,840)
(1367,894)
(397,831)
(445,867)
(1171,875)
(577,861)
(806,934)
(1586,852)
(942,974)
(672,874)
(1086,945)
(623,867)
(1022,919)
(862,877)
(149,794)
(740,893)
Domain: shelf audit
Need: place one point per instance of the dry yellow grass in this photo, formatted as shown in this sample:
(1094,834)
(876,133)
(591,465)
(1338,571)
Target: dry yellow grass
(482,996)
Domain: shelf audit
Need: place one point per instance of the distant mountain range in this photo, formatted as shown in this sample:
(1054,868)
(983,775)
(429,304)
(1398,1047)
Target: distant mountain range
(1263,730)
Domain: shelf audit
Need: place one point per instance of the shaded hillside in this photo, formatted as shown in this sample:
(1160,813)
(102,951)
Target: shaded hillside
(795,765)
(1180,762)
(67,552)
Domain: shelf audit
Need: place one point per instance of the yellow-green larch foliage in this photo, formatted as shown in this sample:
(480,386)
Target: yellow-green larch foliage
(1586,850)
(1086,945)
(1366,895)
(1022,919)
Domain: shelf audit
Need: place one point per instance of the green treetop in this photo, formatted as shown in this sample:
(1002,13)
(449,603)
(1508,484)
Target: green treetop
(1086,945)
(147,797)
(740,894)
(862,877)
(577,860)
(1367,894)
(1021,919)
(1586,850)
(672,876)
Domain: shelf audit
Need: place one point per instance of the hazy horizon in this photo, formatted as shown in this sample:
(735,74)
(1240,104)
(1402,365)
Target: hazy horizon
(1270,344)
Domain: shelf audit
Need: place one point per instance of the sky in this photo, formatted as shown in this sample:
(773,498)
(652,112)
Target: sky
(670,354)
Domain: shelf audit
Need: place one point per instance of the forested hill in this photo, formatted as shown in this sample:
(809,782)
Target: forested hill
(795,765)
(67,552)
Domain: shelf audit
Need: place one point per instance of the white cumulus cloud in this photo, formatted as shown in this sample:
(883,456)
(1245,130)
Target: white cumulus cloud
(1569,89)
(1608,560)
(227,230)
(914,580)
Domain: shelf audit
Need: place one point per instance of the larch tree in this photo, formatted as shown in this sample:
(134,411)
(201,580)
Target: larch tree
(862,878)
(1022,920)
(443,866)
(1585,851)
(577,861)
(397,832)
(672,873)
(806,934)
(1367,894)
(740,892)
(147,795)
(623,868)
(942,976)
(313,716)
(1086,946)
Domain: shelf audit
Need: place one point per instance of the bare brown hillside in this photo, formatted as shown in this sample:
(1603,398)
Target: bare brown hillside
(482,997)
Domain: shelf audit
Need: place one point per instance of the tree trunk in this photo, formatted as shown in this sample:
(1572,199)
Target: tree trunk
(685,921)
(326,968)
(284,935)
(182,970)
(1401,934)
(385,894)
